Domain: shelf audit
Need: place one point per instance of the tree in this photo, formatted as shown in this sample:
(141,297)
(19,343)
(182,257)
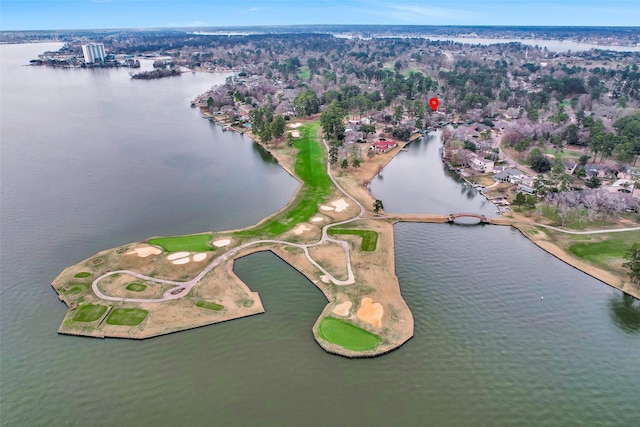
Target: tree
(290,141)
(593,182)
(356,162)
(539,162)
(345,164)
(306,103)
(378,206)
(520,199)
(331,121)
(333,155)
(398,113)
(633,263)
(277,126)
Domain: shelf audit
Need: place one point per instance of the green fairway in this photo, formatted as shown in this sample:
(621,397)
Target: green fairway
(210,305)
(189,243)
(317,187)
(136,287)
(82,275)
(601,252)
(89,313)
(369,238)
(127,316)
(347,335)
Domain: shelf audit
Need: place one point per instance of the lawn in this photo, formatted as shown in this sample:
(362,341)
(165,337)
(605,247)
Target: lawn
(136,287)
(210,305)
(369,238)
(188,243)
(127,316)
(304,74)
(347,335)
(601,252)
(310,168)
(89,313)
(82,275)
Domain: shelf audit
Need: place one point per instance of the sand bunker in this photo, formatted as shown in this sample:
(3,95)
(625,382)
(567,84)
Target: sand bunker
(221,243)
(144,251)
(342,309)
(300,229)
(340,205)
(181,261)
(295,125)
(177,255)
(325,278)
(199,257)
(326,208)
(370,312)
(295,134)
(317,219)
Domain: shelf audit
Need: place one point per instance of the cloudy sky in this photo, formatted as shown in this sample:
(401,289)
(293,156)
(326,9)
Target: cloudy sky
(92,14)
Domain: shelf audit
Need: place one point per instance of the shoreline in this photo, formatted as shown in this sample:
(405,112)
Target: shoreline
(373,282)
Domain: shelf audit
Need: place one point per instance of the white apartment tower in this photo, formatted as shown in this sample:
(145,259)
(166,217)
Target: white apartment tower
(93,52)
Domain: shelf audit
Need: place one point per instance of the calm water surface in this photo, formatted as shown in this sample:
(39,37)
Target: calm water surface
(137,161)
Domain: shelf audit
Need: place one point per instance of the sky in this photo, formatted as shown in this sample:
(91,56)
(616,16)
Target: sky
(99,14)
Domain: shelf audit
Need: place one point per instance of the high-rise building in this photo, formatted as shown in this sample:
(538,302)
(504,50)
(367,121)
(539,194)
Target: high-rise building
(93,52)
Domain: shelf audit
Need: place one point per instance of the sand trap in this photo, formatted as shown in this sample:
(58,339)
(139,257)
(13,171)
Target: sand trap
(144,251)
(325,279)
(295,134)
(326,208)
(177,255)
(300,229)
(340,205)
(295,125)
(199,257)
(181,261)
(370,312)
(317,219)
(342,309)
(221,243)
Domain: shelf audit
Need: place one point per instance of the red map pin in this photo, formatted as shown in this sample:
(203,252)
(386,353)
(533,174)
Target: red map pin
(434,102)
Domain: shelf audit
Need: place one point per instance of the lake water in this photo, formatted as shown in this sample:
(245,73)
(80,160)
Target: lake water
(137,161)
(552,45)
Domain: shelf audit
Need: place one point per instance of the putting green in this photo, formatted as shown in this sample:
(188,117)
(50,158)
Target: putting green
(136,287)
(89,313)
(347,335)
(188,243)
(127,316)
(82,275)
(210,305)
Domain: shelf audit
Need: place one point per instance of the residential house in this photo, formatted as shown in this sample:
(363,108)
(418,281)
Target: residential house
(509,175)
(383,146)
(527,186)
(481,164)
(569,167)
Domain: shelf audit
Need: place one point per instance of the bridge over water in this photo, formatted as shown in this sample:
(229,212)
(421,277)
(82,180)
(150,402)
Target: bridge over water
(434,218)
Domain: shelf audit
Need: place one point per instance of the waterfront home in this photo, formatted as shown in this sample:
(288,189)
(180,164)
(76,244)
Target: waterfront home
(527,186)
(383,146)
(481,164)
(509,175)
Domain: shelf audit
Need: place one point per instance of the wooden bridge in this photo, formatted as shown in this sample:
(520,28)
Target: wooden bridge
(448,218)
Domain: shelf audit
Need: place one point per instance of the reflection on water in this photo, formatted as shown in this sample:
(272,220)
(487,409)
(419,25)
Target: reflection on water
(625,312)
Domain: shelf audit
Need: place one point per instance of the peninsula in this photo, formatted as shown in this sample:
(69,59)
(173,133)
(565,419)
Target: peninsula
(535,135)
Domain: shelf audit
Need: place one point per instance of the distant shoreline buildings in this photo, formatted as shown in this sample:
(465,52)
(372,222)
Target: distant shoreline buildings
(93,52)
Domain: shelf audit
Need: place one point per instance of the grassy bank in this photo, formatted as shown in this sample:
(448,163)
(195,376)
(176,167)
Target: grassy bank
(310,168)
